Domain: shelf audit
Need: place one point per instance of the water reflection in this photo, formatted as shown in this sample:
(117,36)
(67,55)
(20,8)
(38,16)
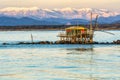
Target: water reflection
(95,65)
(60,63)
(79,50)
(80,59)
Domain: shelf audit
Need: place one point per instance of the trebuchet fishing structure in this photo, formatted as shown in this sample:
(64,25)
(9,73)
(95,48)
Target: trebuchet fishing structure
(78,34)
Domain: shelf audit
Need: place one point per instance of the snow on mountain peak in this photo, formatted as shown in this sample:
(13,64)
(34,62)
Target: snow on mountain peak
(86,9)
(66,13)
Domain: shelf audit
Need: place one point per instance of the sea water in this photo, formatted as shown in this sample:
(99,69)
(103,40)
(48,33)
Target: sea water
(18,36)
(58,62)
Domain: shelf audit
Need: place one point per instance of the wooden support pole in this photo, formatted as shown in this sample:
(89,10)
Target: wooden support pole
(31,38)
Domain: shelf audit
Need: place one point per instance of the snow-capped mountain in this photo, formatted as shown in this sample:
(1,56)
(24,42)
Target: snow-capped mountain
(61,14)
(67,13)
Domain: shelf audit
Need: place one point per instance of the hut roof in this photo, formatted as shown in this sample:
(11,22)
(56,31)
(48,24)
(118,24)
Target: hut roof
(76,27)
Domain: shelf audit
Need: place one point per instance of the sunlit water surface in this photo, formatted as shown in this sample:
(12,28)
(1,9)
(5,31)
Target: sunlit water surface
(57,62)
(18,36)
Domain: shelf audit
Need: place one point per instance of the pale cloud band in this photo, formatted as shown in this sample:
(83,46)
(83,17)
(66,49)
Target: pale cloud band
(51,4)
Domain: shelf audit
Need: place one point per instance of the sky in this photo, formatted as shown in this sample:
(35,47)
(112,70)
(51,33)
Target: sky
(51,4)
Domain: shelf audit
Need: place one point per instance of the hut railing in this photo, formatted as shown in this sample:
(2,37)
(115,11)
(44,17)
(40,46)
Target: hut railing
(61,34)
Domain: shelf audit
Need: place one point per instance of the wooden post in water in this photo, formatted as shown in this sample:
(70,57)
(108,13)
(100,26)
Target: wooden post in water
(31,38)
(91,30)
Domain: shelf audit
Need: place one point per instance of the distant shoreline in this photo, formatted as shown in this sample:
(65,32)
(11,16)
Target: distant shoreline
(52,27)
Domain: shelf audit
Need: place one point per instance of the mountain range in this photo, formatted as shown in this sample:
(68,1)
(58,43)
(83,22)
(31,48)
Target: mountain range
(36,16)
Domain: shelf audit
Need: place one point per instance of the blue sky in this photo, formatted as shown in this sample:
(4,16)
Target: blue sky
(51,4)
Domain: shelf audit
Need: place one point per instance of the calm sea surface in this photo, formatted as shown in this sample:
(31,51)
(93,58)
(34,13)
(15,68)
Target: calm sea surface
(58,62)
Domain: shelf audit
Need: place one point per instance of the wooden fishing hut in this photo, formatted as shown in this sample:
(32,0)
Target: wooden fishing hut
(77,34)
